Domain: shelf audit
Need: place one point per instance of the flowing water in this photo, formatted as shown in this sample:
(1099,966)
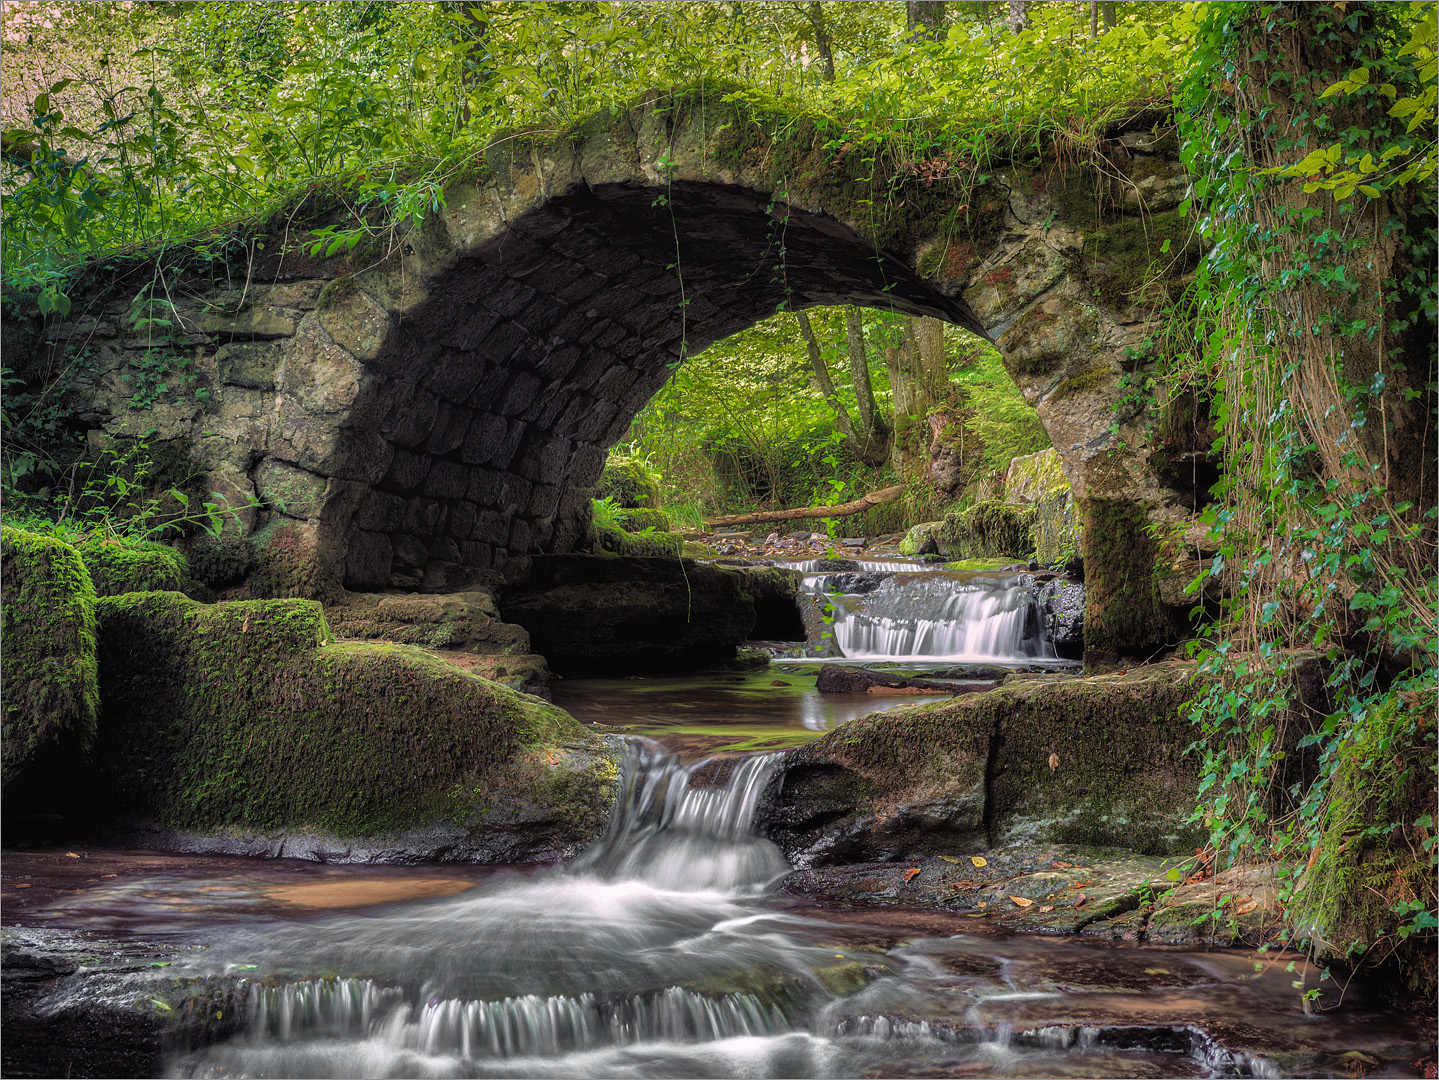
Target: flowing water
(915,614)
(659,953)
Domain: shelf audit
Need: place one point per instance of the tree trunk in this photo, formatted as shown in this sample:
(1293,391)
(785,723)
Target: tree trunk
(821,39)
(925,19)
(855,506)
(875,440)
(826,384)
(1018,16)
(928,441)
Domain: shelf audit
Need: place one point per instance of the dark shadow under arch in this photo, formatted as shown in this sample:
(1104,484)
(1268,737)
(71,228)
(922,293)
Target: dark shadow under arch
(488,412)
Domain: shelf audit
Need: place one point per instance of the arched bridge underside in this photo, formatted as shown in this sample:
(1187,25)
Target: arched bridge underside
(491,406)
(445,411)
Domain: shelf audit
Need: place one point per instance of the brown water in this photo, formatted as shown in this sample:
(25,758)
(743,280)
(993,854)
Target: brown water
(665,952)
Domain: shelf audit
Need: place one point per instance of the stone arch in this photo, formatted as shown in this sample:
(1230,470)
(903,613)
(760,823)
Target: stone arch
(442,413)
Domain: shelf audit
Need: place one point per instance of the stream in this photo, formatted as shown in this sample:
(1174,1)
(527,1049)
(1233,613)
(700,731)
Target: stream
(665,951)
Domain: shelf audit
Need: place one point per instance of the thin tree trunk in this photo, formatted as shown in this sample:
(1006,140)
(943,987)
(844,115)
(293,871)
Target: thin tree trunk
(1018,16)
(826,384)
(1093,19)
(925,19)
(876,431)
(821,39)
(856,506)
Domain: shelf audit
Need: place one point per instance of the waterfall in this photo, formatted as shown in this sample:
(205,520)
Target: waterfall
(667,831)
(935,616)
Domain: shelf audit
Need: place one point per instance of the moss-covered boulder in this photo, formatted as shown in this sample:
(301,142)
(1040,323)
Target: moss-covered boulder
(243,726)
(47,642)
(988,530)
(620,542)
(1042,759)
(119,566)
(628,484)
(459,622)
(598,615)
(922,539)
(642,518)
(1040,481)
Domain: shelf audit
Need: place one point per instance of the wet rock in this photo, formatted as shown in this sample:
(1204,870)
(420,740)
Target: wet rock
(865,581)
(459,622)
(79,1006)
(1063,605)
(853,542)
(1042,759)
(592,615)
(843,679)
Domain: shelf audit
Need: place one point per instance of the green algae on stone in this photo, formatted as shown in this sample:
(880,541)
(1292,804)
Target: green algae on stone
(120,566)
(641,518)
(246,715)
(620,542)
(989,530)
(48,642)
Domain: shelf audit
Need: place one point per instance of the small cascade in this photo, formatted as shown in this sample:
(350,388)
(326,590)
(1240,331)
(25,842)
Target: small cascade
(868,566)
(671,833)
(937,617)
(526,1026)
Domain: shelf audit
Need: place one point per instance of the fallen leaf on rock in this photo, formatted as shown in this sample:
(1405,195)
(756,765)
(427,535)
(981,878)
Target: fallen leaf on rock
(22,885)
(779,682)
(1053,762)
(978,861)
(71,855)
(1063,866)
(978,914)
(1022,901)
(1246,907)
(949,858)
(911,873)
(1046,907)
(1081,900)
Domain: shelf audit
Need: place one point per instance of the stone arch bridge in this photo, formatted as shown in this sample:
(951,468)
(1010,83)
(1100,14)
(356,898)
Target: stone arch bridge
(443,409)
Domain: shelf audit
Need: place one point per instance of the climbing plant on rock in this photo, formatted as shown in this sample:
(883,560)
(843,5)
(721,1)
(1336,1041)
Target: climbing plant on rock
(1318,318)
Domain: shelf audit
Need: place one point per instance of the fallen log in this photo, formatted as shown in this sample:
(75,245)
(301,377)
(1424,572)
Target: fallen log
(858,506)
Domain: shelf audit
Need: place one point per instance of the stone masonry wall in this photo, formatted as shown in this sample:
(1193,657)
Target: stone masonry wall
(437,412)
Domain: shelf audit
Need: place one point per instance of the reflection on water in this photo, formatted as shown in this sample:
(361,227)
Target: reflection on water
(698,715)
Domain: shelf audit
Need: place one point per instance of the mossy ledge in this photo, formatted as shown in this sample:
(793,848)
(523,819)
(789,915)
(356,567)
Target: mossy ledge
(977,771)
(244,726)
(51,690)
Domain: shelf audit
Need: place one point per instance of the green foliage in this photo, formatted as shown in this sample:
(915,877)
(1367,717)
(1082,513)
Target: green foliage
(1007,426)
(1325,526)
(130,491)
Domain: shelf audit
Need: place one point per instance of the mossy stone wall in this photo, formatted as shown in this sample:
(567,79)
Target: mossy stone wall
(1125,618)
(47,642)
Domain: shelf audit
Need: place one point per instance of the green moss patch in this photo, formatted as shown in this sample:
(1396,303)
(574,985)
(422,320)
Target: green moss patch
(1124,614)
(628,484)
(48,643)
(989,530)
(121,566)
(620,542)
(246,715)
(1042,759)
(641,518)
